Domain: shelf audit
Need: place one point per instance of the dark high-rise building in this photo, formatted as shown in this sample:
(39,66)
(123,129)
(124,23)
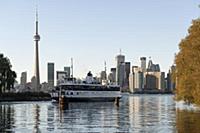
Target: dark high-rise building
(170,85)
(37,71)
(50,74)
(120,70)
(143,64)
(113,71)
(68,70)
(127,71)
(103,75)
(151,82)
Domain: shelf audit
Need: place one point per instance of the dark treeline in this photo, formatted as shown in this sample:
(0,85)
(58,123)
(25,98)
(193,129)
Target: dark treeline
(188,66)
(25,96)
(7,75)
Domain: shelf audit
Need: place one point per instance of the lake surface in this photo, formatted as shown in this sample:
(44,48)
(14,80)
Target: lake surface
(136,113)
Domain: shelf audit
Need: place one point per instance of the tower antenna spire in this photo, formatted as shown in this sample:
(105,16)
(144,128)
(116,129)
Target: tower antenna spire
(37,39)
(36,12)
(36,17)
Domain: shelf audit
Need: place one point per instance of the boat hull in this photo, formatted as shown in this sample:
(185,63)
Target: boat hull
(86,93)
(84,99)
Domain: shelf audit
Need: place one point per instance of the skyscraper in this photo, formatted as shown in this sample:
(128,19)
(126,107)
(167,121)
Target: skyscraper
(37,71)
(120,70)
(103,75)
(138,78)
(113,72)
(23,78)
(50,75)
(143,64)
(153,67)
(131,82)
(127,71)
(68,70)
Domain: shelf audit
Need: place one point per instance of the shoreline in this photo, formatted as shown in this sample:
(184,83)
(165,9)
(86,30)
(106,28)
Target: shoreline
(41,96)
(161,93)
(25,96)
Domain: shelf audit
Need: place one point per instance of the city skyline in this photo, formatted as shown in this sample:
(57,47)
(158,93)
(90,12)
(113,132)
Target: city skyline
(93,32)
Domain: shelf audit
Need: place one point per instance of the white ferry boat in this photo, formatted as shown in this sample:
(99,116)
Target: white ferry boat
(85,92)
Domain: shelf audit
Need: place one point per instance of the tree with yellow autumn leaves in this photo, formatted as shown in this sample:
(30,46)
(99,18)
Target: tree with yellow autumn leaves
(188,66)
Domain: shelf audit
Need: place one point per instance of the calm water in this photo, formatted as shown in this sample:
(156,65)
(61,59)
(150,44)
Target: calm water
(138,113)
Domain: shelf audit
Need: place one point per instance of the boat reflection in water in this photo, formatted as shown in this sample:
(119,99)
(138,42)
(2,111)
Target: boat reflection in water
(136,113)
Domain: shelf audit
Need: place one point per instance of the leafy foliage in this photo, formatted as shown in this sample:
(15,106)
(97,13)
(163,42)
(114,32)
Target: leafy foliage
(188,66)
(7,76)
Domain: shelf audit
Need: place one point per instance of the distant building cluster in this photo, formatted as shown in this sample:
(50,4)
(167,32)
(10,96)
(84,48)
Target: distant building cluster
(147,76)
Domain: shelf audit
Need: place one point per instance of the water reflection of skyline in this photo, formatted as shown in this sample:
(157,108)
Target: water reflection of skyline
(151,114)
(138,113)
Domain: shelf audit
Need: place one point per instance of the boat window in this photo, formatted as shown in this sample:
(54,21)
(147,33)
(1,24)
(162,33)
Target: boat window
(71,93)
(62,93)
(77,93)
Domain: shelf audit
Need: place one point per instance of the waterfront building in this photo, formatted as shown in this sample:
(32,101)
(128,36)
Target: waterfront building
(134,69)
(127,72)
(153,67)
(110,78)
(138,77)
(155,80)
(173,81)
(131,82)
(33,84)
(103,75)
(113,71)
(120,70)
(68,70)
(50,74)
(143,64)
(139,80)
(151,81)
(121,75)
(37,71)
(162,81)
(61,77)
(23,79)
(170,83)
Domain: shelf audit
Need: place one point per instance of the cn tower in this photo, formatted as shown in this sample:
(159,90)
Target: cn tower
(37,71)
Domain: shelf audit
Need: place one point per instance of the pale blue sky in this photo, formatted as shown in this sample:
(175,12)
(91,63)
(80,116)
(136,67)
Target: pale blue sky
(92,31)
